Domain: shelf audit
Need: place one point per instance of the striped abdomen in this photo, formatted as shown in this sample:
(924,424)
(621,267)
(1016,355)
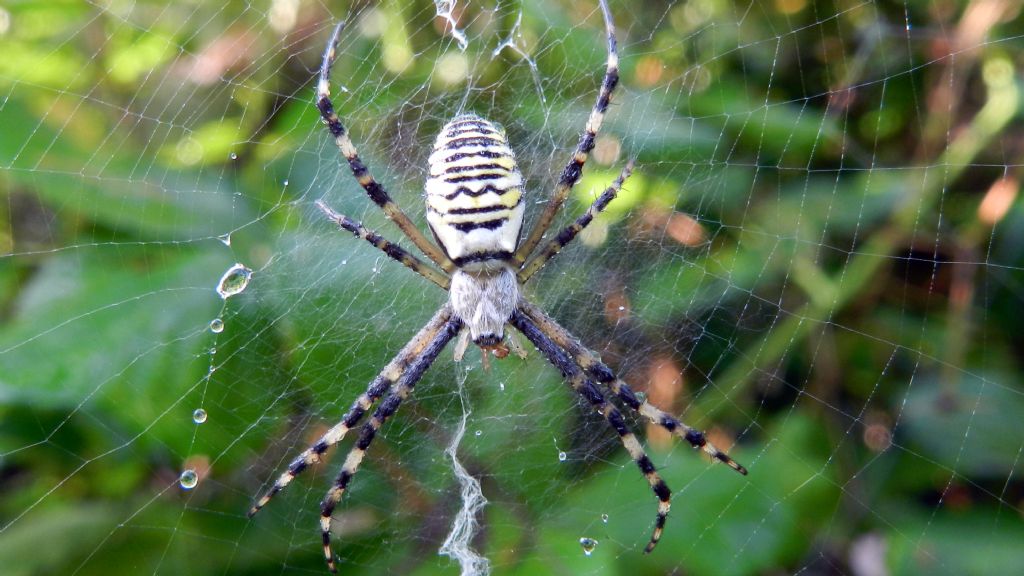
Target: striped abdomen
(474,193)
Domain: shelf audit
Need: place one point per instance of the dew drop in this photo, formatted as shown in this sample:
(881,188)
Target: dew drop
(225,239)
(621,308)
(285,182)
(501,386)
(604,518)
(562,456)
(479,433)
(188,479)
(199,416)
(233,156)
(588,545)
(216,325)
(234,281)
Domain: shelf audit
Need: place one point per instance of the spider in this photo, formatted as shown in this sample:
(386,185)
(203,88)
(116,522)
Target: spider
(474,196)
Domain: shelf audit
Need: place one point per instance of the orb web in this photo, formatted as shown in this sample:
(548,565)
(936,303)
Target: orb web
(815,261)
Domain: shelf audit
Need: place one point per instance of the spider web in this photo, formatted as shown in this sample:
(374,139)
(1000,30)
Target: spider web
(817,261)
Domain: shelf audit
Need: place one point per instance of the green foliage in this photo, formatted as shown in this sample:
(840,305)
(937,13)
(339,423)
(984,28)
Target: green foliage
(841,309)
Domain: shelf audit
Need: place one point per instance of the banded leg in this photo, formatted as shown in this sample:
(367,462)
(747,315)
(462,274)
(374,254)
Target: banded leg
(568,234)
(403,386)
(592,364)
(393,250)
(380,385)
(374,190)
(574,169)
(586,388)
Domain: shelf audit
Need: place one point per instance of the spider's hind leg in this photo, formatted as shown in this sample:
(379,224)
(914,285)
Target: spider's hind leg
(574,169)
(569,233)
(376,192)
(394,251)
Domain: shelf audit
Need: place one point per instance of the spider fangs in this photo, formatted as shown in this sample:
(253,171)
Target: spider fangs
(475,211)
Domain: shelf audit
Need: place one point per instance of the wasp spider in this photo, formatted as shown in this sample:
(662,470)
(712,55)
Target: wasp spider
(474,196)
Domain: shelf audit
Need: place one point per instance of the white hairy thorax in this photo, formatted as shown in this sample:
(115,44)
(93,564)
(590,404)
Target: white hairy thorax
(475,210)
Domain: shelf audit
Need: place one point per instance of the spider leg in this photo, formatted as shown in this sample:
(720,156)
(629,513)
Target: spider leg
(381,384)
(412,370)
(586,388)
(592,364)
(574,169)
(377,193)
(393,250)
(568,234)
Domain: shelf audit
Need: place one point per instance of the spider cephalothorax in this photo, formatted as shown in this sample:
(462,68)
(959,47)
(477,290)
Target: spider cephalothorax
(475,211)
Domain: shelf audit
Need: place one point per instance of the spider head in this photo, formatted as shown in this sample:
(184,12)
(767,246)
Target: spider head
(500,350)
(493,344)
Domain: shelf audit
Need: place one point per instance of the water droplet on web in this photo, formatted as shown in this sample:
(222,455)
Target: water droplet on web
(562,456)
(233,156)
(199,416)
(225,239)
(588,545)
(641,396)
(479,432)
(234,281)
(285,182)
(621,308)
(501,386)
(213,350)
(188,479)
(604,518)
(216,325)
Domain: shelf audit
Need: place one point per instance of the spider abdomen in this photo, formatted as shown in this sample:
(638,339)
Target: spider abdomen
(474,194)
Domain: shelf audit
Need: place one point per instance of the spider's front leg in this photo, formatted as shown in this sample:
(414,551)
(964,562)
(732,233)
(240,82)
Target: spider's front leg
(412,370)
(391,374)
(592,364)
(588,390)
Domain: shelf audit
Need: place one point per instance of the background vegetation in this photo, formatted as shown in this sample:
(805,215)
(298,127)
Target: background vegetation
(818,261)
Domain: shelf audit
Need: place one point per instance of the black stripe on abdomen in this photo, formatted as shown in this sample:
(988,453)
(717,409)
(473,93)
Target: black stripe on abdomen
(479,224)
(476,177)
(483,256)
(456,143)
(474,193)
(481,209)
(468,167)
